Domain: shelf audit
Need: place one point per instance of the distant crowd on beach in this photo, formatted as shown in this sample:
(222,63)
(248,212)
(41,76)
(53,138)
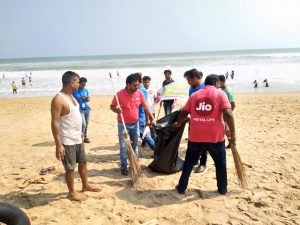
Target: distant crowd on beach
(26,79)
(208,111)
(265,81)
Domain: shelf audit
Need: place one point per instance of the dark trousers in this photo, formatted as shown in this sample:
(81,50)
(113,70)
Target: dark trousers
(168,106)
(218,154)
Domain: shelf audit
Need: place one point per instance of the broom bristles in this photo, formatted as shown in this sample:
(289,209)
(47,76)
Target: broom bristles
(134,166)
(239,167)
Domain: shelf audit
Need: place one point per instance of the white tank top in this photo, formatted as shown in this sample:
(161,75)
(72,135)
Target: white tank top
(70,125)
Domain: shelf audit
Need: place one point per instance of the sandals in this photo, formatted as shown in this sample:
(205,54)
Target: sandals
(50,169)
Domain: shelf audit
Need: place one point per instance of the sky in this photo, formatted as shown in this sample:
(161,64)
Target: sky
(50,28)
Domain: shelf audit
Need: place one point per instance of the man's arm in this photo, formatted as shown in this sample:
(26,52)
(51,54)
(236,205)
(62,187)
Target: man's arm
(56,107)
(115,109)
(229,119)
(232,105)
(183,116)
(149,114)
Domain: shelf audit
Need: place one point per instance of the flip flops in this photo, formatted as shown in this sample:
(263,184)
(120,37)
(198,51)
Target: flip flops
(50,169)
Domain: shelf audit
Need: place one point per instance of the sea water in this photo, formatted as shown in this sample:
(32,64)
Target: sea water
(281,67)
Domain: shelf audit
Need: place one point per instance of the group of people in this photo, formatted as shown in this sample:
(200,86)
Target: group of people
(265,82)
(231,75)
(23,82)
(210,104)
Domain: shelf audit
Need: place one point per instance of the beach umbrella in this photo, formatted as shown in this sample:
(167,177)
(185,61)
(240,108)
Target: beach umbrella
(174,90)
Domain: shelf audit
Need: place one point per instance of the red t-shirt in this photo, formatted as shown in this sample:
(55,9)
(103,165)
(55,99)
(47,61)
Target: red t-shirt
(205,107)
(129,105)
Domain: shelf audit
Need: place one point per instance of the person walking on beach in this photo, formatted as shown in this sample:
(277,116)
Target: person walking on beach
(255,84)
(168,104)
(83,97)
(227,74)
(207,108)
(130,99)
(30,81)
(66,125)
(230,97)
(194,79)
(14,87)
(152,100)
(232,74)
(146,138)
(23,81)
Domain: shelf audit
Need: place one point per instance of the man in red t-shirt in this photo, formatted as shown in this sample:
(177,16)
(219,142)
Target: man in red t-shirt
(130,98)
(207,107)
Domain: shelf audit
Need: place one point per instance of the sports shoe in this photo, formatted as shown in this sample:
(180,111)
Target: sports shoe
(178,191)
(200,169)
(143,145)
(124,172)
(86,140)
(228,146)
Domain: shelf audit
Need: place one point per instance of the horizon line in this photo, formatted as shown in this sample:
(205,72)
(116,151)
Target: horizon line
(154,53)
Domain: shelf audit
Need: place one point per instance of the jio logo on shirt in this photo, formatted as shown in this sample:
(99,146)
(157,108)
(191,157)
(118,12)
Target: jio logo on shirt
(204,106)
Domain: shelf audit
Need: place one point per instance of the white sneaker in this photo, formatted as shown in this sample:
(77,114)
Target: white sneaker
(200,169)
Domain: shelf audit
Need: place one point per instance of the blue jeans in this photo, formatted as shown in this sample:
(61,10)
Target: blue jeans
(147,139)
(85,115)
(218,154)
(133,131)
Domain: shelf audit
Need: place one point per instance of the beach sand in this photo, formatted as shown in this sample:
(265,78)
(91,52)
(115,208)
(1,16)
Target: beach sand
(268,140)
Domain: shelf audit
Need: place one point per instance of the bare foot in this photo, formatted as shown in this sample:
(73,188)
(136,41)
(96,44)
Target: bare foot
(76,196)
(92,188)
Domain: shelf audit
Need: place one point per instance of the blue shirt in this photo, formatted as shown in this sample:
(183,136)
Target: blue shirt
(142,115)
(193,90)
(83,104)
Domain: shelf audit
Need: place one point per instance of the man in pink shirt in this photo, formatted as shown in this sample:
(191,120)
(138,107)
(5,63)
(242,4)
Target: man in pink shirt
(130,98)
(207,107)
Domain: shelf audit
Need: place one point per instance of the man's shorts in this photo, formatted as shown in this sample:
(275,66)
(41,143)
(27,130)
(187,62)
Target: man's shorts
(73,154)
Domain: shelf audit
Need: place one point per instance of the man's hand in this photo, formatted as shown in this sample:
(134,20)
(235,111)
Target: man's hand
(176,124)
(152,123)
(233,138)
(60,152)
(115,109)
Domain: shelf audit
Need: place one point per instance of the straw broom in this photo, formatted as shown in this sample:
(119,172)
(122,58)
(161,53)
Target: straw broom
(238,164)
(239,167)
(134,166)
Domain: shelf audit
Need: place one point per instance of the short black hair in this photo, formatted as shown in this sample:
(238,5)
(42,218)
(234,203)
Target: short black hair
(211,79)
(193,73)
(168,71)
(145,78)
(134,77)
(82,80)
(68,77)
(222,78)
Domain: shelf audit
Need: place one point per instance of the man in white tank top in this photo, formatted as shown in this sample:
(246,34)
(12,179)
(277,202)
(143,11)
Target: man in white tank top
(66,124)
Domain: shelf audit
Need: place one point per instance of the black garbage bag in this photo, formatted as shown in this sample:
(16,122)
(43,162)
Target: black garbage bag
(166,159)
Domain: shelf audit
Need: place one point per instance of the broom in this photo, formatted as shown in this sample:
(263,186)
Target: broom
(134,166)
(239,167)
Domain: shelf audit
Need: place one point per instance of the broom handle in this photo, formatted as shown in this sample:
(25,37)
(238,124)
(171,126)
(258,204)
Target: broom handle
(158,112)
(118,102)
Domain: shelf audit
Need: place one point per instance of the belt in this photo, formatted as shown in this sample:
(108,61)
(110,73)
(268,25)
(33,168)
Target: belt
(130,124)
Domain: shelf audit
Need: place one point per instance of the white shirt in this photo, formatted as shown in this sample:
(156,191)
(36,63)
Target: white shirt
(151,96)
(70,125)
